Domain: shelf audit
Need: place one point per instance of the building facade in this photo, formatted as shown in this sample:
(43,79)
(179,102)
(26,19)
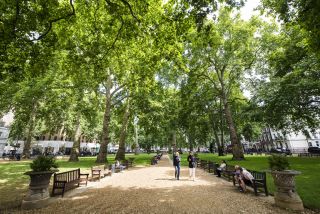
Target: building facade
(295,142)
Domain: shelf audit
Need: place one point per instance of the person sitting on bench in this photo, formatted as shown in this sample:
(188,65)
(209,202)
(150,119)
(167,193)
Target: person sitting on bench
(221,168)
(119,166)
(243,177)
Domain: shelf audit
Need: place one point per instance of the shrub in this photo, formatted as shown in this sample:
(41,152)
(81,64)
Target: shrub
(278,162)
(43,163)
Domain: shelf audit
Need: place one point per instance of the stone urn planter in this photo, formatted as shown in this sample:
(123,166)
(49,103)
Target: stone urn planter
(285,195)
(38,194)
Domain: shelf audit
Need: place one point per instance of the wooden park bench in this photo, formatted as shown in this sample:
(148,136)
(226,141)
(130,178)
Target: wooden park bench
(68,180)
(259,182)
(198,161)
(127,163)
(203,164)
(212,166)
(228,172)
(153,160)
(130,161)
(100,171)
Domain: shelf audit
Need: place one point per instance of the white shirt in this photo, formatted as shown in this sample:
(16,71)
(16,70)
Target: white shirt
(247,175)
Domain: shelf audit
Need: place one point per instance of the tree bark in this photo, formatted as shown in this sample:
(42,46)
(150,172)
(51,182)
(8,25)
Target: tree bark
(236,146)
(123,133)
(174,140)
(27,144)
(74,156)
(102,156)
(221,129)
(191,143)
(136,140)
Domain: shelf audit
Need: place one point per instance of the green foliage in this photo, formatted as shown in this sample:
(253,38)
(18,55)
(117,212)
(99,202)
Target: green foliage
(43,163)
(278,162)
(305,13)
(288,95)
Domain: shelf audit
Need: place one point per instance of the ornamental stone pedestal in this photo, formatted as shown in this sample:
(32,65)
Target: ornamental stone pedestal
(38,195)
(286,195)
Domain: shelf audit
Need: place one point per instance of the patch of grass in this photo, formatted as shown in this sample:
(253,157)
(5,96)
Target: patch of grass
(14,184)
(307,183)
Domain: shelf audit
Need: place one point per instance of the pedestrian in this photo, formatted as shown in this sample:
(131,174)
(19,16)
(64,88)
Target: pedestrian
(176,163)
(192,166)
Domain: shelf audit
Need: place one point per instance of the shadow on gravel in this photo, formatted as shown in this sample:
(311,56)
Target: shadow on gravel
(182,199)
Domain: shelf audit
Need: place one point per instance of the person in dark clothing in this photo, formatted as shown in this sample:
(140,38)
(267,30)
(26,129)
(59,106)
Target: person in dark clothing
(176,163)
(192,166)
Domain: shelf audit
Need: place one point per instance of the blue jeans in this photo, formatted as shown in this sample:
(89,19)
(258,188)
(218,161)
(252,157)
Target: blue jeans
(177,172)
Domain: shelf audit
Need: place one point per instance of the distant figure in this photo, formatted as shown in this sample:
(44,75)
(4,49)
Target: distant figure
(119,166)
(192,166)
(176,163)
(221,168)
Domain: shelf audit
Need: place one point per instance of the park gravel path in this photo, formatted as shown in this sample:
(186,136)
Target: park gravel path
(154,190)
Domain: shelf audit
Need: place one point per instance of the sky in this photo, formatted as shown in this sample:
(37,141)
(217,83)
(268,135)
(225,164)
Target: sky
(248,10)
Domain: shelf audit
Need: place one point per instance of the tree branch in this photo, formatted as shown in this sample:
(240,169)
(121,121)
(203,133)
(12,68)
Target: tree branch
(56,20)
(130,8)
(117,89)
(119,101)
(115,40)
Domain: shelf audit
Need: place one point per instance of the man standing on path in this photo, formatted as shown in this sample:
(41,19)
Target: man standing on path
(176,163)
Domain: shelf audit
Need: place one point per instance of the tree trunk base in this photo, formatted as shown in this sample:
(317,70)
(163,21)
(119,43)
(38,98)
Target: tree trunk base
(238,159)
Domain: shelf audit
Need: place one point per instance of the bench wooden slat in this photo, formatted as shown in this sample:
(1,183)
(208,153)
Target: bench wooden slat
(67,180)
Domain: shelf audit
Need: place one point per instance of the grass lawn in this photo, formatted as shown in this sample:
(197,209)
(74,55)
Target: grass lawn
(14,184)
(307,184)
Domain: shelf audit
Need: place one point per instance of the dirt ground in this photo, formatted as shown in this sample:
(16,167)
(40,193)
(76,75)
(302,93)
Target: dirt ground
(154,190)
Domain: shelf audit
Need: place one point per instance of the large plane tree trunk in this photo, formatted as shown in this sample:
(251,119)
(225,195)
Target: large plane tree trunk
(236,146)
(123,133)
(27,144)
(102,156)
(74,156)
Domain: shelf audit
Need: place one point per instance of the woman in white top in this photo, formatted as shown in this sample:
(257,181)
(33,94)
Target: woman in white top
(245,178)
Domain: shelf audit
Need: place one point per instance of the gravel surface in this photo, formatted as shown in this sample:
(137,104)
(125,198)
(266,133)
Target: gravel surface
(154,190)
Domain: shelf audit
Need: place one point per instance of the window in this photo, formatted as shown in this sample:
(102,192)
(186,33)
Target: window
(43,137)
(61,138)
(55,138)
(317,142)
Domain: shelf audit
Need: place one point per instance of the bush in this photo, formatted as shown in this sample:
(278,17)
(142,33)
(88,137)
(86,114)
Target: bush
(43,163)
(278,162)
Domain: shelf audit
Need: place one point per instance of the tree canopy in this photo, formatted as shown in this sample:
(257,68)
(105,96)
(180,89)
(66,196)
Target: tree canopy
(157,73)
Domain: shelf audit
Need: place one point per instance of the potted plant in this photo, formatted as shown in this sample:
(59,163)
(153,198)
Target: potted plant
(285,195)
(42,169)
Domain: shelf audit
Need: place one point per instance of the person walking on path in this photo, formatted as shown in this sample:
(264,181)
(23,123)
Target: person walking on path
(176,163)
(192,166)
